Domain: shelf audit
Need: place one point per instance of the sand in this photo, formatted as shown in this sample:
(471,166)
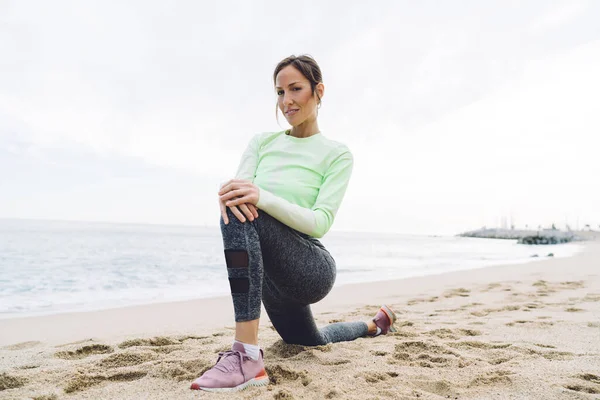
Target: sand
(527,331)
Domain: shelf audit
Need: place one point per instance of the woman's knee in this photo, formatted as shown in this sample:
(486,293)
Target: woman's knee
(233,223)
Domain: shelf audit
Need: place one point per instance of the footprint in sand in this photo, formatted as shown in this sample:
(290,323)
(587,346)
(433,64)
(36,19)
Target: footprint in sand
(340,361)
(164,345)
(181,370)
(459,292)
(126,359)
(546,346)
(156,341)
(492,378)
(428,361)
(582,388)
(445,333)
(589,377)
(372,376)
(441,388)
(403,334)
(52,396)
(492,286)
(572,285)
(532,306)
(574,309)
(545,287)
(591,297)
(423,354)
(468,345)
(29,366)
(194,337)
(534,324)
(84,352)
(283,394)
(499,360)
(11,381)
(279,374)
(487,311)
(548,355)
(379,353)
(84,381)
(470,305)
(412,302)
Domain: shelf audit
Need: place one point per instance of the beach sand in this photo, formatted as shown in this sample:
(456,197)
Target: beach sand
(527,331)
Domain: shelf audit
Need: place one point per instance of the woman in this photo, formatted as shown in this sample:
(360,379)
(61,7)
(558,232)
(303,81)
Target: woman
(297,179)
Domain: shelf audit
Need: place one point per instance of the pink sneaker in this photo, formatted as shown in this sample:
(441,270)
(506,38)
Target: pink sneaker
(233,371)
(385,319)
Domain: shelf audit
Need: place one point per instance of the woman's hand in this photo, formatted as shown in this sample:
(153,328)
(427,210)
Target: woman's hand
(238,191)
(242,194)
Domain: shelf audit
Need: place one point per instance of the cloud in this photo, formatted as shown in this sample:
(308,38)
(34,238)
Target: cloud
(525,147)
(557,15)
(433,98)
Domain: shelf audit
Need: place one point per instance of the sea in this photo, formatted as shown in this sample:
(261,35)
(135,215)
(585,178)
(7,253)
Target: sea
(50,267)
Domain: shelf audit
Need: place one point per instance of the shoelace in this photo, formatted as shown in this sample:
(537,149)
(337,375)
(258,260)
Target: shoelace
(229,359)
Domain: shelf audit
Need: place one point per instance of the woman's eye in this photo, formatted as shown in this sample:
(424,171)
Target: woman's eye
(280,92)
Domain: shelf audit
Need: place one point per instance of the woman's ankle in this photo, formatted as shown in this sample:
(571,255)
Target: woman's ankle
(247,331)
(372,328)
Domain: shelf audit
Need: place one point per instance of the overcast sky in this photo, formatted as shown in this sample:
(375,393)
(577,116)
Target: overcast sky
(457,113)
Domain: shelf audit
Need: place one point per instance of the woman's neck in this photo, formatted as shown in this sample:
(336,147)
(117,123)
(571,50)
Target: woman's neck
(305,130)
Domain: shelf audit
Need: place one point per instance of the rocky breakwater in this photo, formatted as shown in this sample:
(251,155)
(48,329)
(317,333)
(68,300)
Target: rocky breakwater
(545,236)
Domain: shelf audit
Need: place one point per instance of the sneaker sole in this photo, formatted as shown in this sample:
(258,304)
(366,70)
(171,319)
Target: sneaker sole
(391,315)
(263,381)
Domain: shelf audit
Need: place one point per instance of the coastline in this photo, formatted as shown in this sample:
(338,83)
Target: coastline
(218,310)
(346,276)
(512,331)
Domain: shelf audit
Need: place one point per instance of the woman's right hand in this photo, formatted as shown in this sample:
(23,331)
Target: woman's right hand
(246,210)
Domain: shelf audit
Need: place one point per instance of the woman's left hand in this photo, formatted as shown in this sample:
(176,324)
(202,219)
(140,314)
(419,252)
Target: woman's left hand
(239,191)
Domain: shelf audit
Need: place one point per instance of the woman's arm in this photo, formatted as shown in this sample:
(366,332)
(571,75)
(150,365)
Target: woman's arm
(317,220)
(249,161)
(246,170)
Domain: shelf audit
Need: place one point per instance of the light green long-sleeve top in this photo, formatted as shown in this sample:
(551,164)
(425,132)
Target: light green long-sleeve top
(302,181)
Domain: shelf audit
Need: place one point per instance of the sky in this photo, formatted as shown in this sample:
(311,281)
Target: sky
(458,114)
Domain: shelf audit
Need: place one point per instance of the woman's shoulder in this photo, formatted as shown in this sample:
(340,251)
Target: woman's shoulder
(337,146)
(266,137)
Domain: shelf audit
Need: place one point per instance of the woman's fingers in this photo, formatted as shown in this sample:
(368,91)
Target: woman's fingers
(237,195)
(253,209)
(246,211)
(224,212)
(236,202)
(234,193)
(233,184)
(238,213)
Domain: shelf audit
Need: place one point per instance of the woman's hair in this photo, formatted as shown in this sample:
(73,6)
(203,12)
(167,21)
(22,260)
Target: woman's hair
(307,67)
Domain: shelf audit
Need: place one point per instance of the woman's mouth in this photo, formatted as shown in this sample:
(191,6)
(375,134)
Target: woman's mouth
(289,113)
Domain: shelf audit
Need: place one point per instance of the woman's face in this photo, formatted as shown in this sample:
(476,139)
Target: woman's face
(294,96)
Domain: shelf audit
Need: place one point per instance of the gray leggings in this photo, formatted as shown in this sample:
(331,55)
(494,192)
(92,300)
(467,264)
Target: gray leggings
(288,270)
